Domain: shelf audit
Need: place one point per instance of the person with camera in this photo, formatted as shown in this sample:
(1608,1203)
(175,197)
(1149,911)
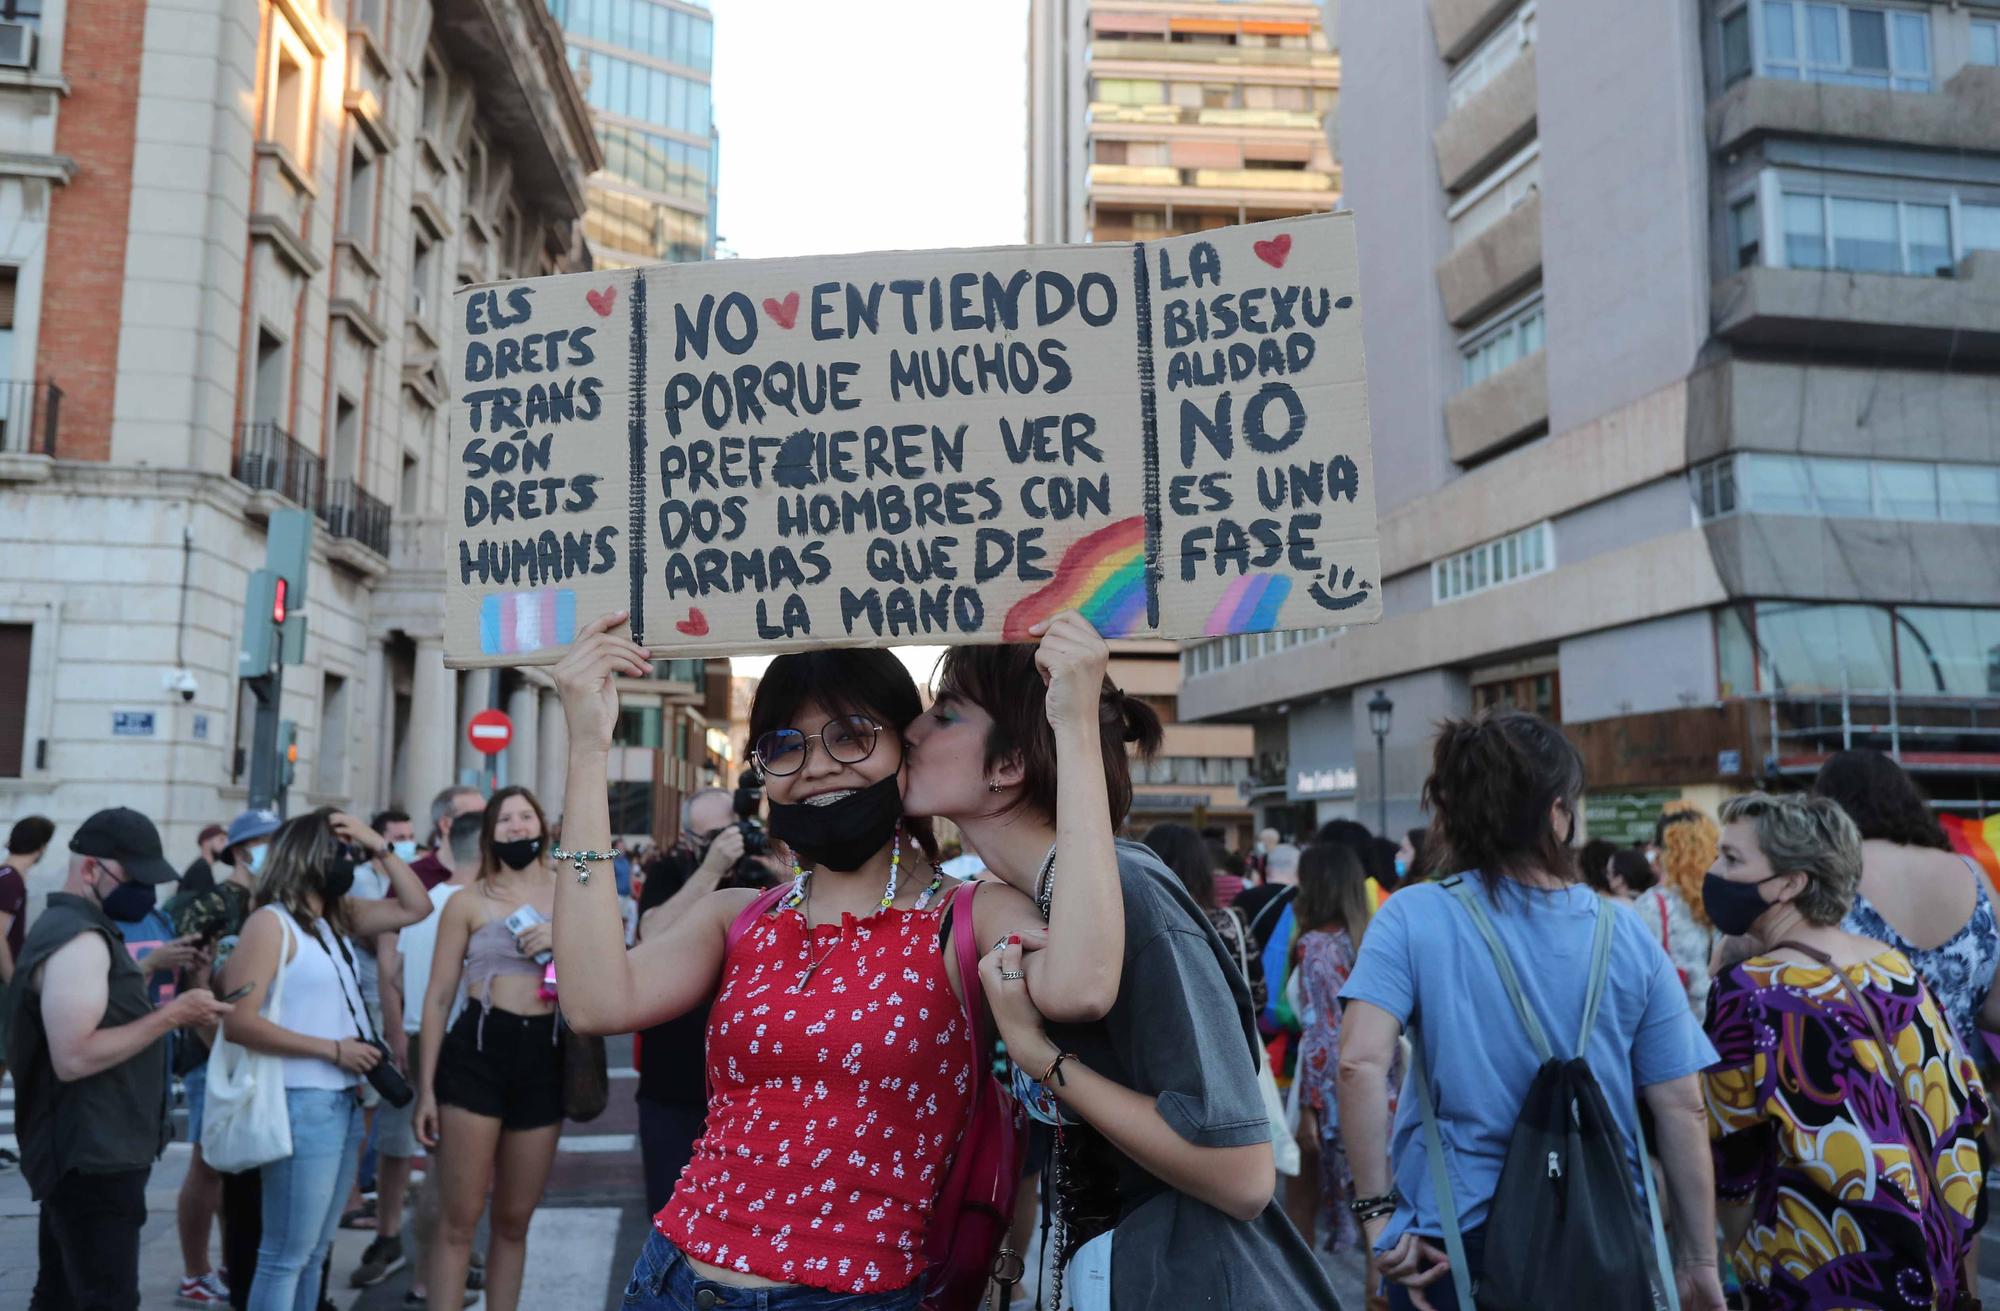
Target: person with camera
(491,1100)
(303,925)
(673,1096)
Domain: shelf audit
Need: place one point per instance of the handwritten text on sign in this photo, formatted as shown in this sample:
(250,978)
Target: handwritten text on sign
(940,446)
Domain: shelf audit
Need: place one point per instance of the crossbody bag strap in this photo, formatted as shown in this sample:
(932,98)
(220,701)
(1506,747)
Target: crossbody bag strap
(1508,979)
(1920,1170)
(360,1030)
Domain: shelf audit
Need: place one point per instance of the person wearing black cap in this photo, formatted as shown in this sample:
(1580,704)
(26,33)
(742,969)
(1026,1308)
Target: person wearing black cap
(89,1056)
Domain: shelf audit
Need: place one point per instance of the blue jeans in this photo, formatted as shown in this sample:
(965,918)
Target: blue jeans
(664,1281)
(302,1198)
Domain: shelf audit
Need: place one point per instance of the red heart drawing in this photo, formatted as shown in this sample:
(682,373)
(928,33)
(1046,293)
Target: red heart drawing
(696,624)
(602,301)
(1274,251)
(784,312)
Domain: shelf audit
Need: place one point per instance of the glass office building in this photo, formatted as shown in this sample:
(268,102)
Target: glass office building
(644,68)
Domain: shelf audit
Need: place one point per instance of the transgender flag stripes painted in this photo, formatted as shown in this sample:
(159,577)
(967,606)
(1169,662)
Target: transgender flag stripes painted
(513,622)
(1250,605)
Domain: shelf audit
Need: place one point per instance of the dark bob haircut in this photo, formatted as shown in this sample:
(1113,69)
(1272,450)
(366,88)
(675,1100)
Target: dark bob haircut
(1881,799)
(1003,681)
(865,681)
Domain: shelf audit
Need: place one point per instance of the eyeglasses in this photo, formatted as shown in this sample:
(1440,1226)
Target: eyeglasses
(849,740)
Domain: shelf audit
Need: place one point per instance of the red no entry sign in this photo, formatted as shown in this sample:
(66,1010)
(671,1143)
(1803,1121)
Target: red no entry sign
(490,731)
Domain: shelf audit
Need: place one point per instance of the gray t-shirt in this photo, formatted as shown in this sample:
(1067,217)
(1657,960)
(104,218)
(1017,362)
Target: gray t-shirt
(1182,1032)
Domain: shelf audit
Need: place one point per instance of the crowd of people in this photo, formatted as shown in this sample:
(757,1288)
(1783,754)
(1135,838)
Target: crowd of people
(868,1072)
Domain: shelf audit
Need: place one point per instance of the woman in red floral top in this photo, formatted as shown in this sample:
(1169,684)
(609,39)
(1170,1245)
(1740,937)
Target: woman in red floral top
(839,1065)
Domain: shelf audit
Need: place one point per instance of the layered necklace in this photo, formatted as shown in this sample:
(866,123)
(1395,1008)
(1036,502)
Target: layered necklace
(800,899)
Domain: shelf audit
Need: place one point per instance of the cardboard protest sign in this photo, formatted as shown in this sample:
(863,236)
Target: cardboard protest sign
(932,446)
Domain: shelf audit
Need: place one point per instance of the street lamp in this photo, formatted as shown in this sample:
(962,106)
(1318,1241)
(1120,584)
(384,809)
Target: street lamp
(1380,707)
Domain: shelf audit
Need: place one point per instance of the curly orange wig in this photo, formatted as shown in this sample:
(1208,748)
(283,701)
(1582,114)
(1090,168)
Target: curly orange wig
(1688,847)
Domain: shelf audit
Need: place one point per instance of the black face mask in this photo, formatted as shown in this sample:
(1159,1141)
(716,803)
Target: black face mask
(338,880)
(518,854)
(843,835)
(128,903)
(1733,907)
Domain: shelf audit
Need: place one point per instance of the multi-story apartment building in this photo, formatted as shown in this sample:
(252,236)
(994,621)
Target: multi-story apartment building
(644,69)
(1152,118)
(1685,384)
(232,233)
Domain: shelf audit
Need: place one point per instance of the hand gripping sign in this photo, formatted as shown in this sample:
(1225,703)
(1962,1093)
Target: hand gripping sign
(932,446)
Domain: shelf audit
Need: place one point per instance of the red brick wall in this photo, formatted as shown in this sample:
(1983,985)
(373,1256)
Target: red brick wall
(84,270)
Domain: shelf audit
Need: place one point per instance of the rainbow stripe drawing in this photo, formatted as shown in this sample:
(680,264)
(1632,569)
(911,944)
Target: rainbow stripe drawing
(1250,605)
(1103,576)
(511,622)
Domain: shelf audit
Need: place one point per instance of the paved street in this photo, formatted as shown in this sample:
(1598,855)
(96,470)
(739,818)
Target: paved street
(584,1240)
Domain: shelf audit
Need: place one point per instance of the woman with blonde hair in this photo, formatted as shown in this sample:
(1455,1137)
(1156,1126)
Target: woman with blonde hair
(1686,840)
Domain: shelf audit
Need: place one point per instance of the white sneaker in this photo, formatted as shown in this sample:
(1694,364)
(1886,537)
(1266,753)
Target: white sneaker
(207,1290)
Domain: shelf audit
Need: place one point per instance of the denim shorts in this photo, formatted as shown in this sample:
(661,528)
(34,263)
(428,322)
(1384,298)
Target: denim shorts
(196,1086)
(664,1281)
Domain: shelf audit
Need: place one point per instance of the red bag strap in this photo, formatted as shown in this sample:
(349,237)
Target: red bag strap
(751,913)
(963,942)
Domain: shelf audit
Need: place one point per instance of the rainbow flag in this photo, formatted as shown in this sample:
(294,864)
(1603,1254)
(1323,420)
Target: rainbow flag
(1102,576)
(1977,838)
(1250,605)
(511,622)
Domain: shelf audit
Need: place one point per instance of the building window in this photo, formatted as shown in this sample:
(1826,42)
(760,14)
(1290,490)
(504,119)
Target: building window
(16,644)
(331,773)
(639,91)
(1745,231)
(1496,196)
(9,278)
(1905,491)
(267,395)
(1978,226)
(288,115)
(1986,41)
(411,488)
(1851,45)
(1493,564)
(1128,91)
(432,98)
(358,223)
(1491,57)
(423,276)
(1502,342)
(1867,235)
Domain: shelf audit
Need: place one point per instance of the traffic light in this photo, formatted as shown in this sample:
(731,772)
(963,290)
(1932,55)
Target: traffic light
(288,752)
(274,598)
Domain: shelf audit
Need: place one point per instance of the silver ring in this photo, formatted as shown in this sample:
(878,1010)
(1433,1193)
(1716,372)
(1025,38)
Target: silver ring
(1010,976)
(1000,946)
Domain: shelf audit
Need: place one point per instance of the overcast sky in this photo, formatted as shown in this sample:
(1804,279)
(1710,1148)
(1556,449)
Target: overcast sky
(870,125)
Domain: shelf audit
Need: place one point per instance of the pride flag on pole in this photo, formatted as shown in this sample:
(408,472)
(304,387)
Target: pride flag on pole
(1977,838)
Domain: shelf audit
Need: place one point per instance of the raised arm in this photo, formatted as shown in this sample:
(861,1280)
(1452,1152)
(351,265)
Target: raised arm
(1076,979)
(605,988)
(409,902)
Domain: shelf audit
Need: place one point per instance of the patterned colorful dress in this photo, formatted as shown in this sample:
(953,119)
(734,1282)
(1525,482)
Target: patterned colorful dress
(1807,1129)
(1326,958)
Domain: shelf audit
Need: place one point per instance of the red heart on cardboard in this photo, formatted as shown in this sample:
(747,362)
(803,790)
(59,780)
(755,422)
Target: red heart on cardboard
(696,624)
(1274,251)
(783,312)
(602,301)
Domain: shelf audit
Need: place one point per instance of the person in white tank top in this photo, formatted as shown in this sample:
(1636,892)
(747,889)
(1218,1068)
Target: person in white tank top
(302,926)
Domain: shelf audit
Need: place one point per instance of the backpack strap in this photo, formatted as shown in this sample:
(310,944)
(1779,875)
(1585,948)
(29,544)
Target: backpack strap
(1454,1241)
(1467,898)
(1600,968)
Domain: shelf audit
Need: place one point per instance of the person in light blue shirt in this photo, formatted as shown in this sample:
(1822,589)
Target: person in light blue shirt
(1504,791)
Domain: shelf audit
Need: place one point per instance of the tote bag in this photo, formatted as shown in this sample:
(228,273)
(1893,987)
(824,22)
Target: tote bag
(246,1123)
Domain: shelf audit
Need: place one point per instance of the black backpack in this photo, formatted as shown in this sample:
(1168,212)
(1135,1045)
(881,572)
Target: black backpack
(1565,1191)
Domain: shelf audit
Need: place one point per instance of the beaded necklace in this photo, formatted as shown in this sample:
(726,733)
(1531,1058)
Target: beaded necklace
(801,896)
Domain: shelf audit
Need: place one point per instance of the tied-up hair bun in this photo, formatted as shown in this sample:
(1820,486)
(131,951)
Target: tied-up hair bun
(1135,721)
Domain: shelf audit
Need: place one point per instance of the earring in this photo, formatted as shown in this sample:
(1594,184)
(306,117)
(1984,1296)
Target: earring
(992,785)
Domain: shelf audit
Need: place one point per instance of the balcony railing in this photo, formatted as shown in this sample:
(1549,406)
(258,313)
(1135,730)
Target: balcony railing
(352,513)
(28,416)
(1188,52)
(268,460)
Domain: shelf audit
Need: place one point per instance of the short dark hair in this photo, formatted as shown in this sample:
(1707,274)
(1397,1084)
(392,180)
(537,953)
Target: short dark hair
(30,833)
(1632,868)
(1493,779)
(1188,855)
(1003,681)
(1333,889)
(1596,862)
(1881,798)
(844,681)
(384,818)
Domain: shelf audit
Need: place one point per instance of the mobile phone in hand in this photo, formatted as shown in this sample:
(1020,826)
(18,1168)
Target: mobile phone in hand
(237,995)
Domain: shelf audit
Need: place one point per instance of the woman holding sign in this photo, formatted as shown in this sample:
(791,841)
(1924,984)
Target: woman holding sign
(841,1066)
(1157,1102)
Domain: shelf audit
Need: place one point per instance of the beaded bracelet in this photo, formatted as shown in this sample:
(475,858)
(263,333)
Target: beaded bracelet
(577,859)
(1379,1205)
(1363,1217)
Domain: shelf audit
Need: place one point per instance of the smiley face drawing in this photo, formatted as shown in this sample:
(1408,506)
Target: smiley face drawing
(1340,591)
